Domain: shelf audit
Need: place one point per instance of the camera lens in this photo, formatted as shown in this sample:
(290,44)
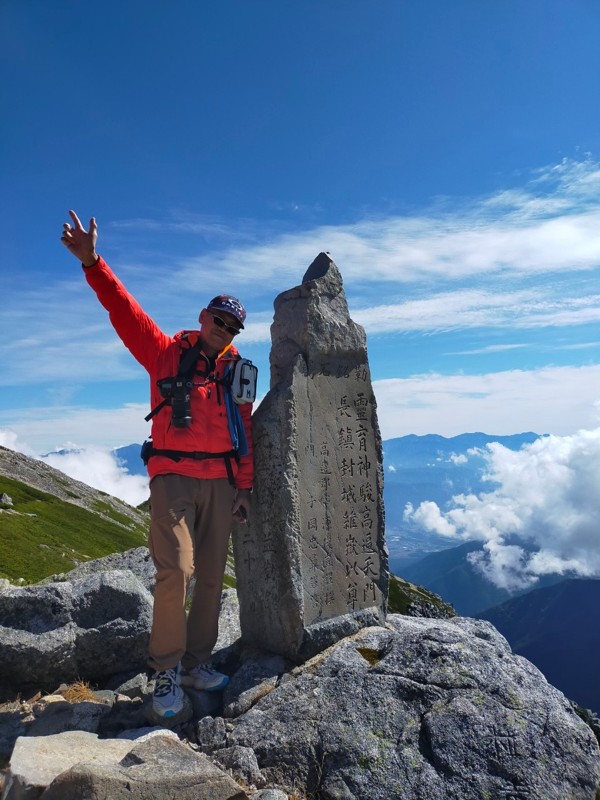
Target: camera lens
(180,404)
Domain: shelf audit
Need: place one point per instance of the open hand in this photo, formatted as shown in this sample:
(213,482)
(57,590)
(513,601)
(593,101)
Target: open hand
(80,242)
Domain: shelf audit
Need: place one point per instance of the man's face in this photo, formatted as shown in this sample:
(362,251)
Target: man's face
(217,329)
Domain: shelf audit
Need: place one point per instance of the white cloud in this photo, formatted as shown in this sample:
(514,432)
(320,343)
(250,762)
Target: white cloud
(547,500)
(95,466)
(10,440)
(443,311)
(492,348)
(205,225)
(429,516)
(578,346)
(99,468)
(549,400)
(406,250)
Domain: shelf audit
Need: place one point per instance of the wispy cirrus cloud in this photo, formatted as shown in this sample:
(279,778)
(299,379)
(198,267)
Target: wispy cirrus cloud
(551,224)
(522,248)
(461,309)
(492,348)
(204,225)
(406,251)
(522,258)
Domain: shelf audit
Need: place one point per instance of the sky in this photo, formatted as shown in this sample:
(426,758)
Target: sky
(446,154)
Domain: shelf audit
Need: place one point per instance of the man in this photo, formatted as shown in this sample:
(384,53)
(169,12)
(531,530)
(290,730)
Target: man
(198,479)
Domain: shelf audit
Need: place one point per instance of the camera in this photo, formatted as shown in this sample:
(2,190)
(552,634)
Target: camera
(177,391)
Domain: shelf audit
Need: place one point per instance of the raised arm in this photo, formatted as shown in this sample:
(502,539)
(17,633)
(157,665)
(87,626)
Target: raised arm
(79,242)
(136,329)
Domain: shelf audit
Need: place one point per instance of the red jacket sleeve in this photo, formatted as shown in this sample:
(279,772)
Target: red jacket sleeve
(138,331)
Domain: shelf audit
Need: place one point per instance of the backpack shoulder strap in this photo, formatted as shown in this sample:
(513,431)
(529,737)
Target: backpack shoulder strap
(188,358)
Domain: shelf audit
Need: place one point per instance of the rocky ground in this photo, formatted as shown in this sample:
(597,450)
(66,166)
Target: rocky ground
(424,706)
(419,708)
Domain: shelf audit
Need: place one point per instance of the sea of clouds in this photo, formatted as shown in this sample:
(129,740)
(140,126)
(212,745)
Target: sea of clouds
(540,516)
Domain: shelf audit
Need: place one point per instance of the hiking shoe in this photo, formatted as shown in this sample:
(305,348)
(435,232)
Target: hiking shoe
(203,677)
(167,700)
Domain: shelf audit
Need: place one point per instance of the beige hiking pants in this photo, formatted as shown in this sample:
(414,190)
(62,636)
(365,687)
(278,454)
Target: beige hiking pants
(189,534)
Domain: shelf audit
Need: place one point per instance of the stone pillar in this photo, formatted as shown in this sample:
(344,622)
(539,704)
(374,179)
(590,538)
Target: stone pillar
(312,563)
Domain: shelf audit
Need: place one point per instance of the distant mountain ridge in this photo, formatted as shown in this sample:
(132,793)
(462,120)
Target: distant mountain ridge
(398,453)
(405,451)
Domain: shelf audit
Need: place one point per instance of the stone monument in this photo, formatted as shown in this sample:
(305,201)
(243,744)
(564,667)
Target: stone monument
(312,564)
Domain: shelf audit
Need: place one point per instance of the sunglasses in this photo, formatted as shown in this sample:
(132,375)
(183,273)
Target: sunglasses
(220,323)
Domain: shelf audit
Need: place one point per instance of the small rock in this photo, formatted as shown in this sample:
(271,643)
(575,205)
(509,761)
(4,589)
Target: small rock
(211,734)
(242,763)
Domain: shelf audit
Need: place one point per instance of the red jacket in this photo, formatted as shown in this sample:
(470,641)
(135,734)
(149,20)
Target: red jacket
(160,354)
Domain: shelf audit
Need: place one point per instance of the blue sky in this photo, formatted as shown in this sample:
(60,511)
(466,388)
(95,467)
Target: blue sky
(447,155)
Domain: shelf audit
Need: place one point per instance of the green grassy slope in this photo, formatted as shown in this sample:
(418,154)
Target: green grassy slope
(41,535)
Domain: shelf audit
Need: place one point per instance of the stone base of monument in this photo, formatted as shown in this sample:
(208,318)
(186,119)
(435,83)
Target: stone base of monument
(185,715)
(321,635)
